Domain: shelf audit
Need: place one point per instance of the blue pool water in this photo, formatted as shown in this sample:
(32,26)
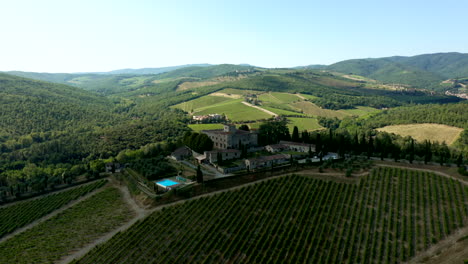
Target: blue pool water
(167,183)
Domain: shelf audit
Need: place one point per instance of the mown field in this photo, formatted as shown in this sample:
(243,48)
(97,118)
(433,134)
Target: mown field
(302,124)
(229,102)
(387,217)
(69,230)
(22,213)
(200,127)
(421,132)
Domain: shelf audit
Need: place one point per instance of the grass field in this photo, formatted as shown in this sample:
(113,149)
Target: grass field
(388,216)
(308,124)
(308,96)
(282,98)
(281,111)
(201,103)
(313,110)
(239,91)
(360,111)
(71,229)
(421,132)
(200,127)
(235,110)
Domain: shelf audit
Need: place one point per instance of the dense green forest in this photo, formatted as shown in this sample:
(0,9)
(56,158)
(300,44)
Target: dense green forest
(51,133)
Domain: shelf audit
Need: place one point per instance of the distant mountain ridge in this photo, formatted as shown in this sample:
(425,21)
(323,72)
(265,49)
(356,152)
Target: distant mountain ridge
(154,70)
(425,71)
(421,71)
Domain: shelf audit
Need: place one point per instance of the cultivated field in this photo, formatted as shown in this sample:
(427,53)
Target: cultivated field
(308,124)
(228,101)
(387,217)
(69,230)
(282,98)
(22,213)
(360,111)
(314,110)
(421,132)
(202,103)
(200,127)
(235,110)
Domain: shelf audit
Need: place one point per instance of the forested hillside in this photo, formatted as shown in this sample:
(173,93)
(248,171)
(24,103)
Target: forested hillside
(28,106)
(448,65)
(52,133)
(122,81)
(422,71)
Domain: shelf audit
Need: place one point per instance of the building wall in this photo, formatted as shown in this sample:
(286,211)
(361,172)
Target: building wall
(229,139)
(212,156)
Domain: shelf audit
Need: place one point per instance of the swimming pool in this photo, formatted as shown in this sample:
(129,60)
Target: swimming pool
(167,183)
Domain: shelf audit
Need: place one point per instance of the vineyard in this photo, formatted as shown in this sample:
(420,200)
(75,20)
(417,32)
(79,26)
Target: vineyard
(22,213)
(69,230)
(387,217)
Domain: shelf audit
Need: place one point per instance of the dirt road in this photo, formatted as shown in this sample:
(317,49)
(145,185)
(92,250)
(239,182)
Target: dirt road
(261,109)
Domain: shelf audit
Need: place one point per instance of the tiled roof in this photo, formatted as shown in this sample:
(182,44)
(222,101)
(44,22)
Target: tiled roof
(295,143)
(224,151)
(181,150)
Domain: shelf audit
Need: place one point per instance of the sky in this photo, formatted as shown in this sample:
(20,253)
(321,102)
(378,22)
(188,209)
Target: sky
(102,35)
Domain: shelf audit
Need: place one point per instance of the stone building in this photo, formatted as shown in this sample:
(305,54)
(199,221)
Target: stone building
(229,137)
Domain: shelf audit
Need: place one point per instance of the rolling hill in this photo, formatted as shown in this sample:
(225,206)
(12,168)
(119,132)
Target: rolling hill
(159,70)
(448,65)
(36,106)
(128,80)
(422,71)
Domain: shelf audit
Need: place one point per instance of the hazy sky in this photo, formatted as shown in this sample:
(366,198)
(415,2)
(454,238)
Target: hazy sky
(102,35)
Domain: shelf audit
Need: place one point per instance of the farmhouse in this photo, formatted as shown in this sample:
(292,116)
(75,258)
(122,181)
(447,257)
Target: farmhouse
(209,117)
(230,137)
(266,161)
(226,154)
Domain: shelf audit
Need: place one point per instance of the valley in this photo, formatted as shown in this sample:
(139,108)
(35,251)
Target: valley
(334,177)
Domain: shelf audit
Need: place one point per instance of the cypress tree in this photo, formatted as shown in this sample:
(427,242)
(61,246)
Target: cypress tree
(199,175)
(411,152)
(295,134)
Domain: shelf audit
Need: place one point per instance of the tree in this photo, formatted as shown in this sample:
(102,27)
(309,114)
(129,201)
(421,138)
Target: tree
(411,151)
(427,151)
(244,127)
(199,175)
(295,134)
(370,146)
(305,136)
(396,153)
(271,132)
(459,160)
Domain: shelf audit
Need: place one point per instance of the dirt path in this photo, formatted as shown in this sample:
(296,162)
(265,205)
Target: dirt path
(142,212)
(446,251)
(139,210)
(300,96)
(261,109)
(49,216)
